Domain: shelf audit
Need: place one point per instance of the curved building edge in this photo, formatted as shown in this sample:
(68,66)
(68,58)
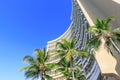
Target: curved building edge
(77,29)
(62,36)
(84,13)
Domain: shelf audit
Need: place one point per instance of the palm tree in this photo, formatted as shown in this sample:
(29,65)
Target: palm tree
(64,68)
(79,74)
(66,50)
(102,30)
(37,66)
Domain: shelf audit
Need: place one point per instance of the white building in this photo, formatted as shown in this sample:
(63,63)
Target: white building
(84,14)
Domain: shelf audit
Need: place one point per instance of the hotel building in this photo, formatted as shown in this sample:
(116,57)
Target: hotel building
(84,14)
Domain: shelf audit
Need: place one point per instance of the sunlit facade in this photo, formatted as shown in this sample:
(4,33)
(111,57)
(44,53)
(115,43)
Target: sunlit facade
(84,14)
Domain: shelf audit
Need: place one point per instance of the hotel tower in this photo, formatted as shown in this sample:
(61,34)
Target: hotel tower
(84,14)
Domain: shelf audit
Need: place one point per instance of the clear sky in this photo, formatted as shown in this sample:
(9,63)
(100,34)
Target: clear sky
(26,25)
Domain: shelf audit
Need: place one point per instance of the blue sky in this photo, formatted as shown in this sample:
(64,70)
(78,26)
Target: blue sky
(26,25)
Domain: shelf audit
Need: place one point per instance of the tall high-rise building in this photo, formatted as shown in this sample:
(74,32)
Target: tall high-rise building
(84,14)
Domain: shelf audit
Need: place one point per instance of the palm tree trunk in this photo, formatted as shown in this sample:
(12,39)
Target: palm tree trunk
(42,76)
(115,46)
(73,74)
(71,64)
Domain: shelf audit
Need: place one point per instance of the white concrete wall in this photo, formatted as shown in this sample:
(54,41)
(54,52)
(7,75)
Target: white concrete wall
(102,9)
(109,7)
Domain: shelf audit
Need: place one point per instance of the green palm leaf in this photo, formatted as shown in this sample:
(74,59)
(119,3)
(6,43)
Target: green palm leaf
(116,34)
(37,66)
(60,45)
(66,50)
(49,77)
(80,53)
(92,30)
(28,59)
(102,29)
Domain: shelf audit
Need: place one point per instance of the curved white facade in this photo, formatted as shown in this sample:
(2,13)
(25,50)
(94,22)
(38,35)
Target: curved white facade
(77,29)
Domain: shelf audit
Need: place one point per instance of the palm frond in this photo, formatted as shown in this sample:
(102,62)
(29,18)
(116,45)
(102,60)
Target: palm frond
(117,30)
(97,44)
(36,52)
(63,67)
(49,77)
(63,63)
(73,42)
(47,57)
(50,66)
(60,45)
(28,59)
(99,24)
(81,53)
(94,41)
(79,74)
(92,30)
(35,77)
(25,68)
(116,34)
(67,43)
(104,32)
(66,73)
(59,51)
(108,43)
(91,41)
(68,56)
(107,21)
(31,74)
(40,55)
